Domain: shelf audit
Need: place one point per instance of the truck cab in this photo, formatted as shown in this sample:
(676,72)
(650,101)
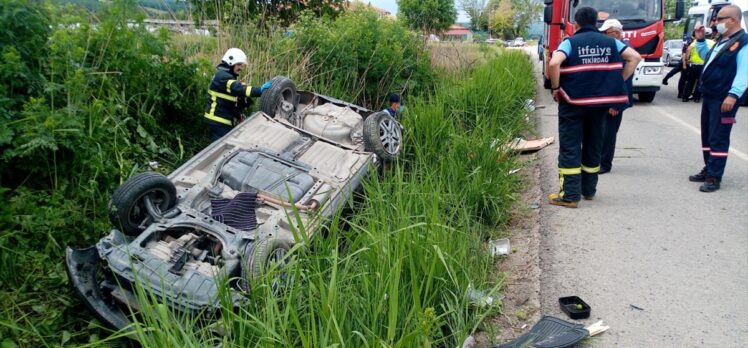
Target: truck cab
(643,23)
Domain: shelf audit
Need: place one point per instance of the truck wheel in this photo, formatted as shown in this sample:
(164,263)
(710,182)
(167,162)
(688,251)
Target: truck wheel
(127,209)
(280,99)
(382,136)
(646,97)
(262,256)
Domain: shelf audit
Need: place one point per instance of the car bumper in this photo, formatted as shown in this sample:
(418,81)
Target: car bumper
(648,77)
(81,268)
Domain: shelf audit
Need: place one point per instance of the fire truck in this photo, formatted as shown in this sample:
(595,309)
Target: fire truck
(643,22)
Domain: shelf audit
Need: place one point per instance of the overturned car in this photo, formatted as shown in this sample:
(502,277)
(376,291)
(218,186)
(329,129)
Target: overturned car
(225,212)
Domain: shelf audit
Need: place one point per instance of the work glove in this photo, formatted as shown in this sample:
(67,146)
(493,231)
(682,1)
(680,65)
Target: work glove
(265,86)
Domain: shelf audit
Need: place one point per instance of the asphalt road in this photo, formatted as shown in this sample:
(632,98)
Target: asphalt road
(650,238)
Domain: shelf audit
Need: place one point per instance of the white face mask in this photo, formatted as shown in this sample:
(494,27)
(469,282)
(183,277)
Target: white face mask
(721,28)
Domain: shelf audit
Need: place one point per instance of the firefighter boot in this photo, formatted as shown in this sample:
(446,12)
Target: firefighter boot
(555,199)
(711,184)
(700,177)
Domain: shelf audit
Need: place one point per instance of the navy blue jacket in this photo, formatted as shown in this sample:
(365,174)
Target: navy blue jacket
(591,75)
(227,96)
(718,75)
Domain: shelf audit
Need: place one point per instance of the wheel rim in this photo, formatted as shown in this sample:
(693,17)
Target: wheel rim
(390,135)
(285,103)
(138,212)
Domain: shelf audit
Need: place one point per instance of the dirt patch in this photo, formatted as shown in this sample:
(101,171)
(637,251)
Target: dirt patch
(521,303)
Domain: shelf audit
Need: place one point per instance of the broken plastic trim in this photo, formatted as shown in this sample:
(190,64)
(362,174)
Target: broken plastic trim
(81,268)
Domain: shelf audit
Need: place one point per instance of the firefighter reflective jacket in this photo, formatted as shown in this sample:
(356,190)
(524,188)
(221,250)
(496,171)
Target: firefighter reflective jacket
(591,75)
(227,96)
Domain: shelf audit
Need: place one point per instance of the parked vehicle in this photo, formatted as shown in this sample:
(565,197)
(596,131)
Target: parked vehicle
(643,23)
(224,214)
(672,52)
(519,42)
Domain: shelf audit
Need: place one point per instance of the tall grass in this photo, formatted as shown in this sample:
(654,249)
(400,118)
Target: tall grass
(398,273)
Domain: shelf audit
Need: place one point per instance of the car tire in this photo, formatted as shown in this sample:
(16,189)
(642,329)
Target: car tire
(279,97)
(383,136)
(258,258)
(127,208)
(646,97)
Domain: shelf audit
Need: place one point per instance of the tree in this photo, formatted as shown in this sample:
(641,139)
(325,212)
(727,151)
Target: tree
(525,13)
(475,10)
(287,11)
(428,16)
(501,18)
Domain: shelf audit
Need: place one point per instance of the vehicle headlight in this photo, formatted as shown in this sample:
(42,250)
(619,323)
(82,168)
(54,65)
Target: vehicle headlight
(652,70)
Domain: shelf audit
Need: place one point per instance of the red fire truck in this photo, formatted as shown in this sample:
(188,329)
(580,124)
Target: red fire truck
(643,22)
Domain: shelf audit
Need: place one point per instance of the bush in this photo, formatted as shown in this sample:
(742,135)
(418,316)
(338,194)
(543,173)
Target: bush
(363,58)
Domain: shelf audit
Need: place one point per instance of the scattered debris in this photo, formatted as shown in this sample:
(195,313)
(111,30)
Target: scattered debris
(523,326)
(500,247)
(635,307)
(521,145)
(153,165)
(481,298)
(513,171)
(529,105)
(469,342)
(597,328)
(575,307)
(534,205)
(551,332)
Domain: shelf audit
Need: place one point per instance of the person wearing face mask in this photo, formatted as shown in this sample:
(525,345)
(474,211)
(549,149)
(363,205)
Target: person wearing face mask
(694,62)
(227,96)
(723,84)
(396,105)
(587,76)
(612,122)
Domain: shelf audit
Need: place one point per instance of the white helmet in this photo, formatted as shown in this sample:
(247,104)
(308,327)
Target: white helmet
(234,56)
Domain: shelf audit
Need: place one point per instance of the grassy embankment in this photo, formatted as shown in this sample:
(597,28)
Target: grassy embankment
(396,275)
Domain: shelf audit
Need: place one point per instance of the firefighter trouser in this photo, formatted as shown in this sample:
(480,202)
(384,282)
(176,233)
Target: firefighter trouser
(611,126)
(580,132)
(715,135)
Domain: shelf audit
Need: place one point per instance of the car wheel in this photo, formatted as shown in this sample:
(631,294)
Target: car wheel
(383,136)
(262,256)
(667,60)
(128,208)
(646,97)
(280,99)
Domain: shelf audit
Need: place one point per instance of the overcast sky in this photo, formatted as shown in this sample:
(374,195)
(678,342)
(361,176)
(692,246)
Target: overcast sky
(391,5)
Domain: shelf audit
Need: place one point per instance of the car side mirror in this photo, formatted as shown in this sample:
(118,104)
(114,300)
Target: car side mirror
(548,14)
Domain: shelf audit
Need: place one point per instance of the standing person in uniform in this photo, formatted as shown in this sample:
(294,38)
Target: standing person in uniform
(227,96)
(723,84)
(679,69)
(612,121)
(587,79)
(694,61)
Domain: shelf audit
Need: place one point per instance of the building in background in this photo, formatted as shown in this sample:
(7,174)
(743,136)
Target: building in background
(457,32)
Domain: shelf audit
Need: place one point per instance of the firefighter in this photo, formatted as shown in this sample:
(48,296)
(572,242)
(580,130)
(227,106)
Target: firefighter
(694,62)
(587,79)
(227,96)
(723,83)
(612,121)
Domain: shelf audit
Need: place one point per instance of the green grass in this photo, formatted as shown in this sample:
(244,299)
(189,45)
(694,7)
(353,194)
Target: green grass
(398,274)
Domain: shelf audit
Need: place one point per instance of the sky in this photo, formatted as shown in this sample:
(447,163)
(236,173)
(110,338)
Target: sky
(391,5)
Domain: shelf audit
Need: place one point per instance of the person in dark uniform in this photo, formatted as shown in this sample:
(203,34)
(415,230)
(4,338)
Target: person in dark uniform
(612,124)
(723,84)
(694,60)
(679,69)
(227,96)
(396,105)
(587,79)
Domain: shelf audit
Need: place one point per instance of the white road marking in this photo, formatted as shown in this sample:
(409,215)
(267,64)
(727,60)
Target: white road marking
(739,154)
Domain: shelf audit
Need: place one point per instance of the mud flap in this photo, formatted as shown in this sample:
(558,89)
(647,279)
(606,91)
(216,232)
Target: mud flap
(81,269)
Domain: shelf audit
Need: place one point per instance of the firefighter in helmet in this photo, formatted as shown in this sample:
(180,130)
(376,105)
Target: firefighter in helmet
(227,96)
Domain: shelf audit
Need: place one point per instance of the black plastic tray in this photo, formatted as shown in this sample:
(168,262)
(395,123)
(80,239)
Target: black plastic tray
(569,306)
